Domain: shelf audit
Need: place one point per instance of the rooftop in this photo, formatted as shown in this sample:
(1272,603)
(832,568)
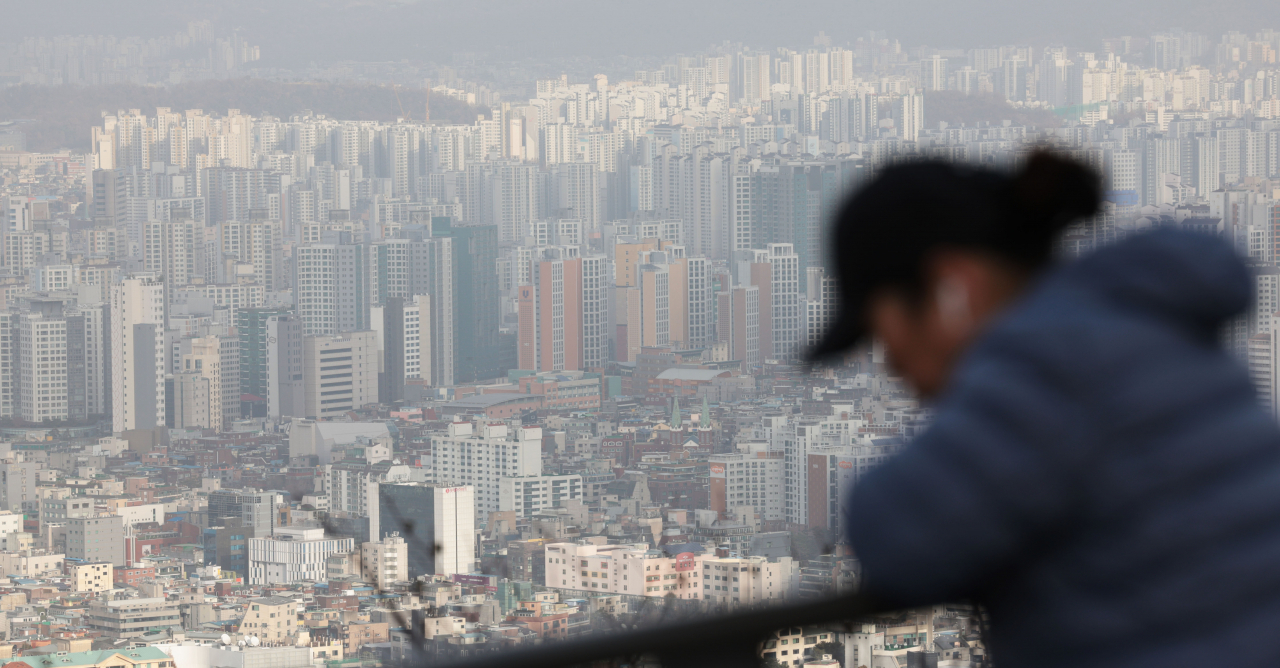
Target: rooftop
(97,657)
(487,400)
(676,373)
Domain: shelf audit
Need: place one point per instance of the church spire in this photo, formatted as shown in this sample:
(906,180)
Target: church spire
(675,413)
(705,422)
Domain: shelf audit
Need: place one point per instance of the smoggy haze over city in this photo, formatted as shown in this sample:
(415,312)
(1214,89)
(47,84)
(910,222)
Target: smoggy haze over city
(373,334)
(300,31)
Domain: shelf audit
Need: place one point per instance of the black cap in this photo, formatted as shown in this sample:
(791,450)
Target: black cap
(883,233)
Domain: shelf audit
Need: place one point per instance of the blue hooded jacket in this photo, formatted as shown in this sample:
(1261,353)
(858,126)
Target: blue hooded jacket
(1099,474)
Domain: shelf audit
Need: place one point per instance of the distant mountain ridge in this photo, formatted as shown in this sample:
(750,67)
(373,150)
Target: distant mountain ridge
(956,109)
(62,115)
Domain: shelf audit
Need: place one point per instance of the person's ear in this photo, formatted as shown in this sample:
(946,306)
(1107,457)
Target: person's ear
(955,311)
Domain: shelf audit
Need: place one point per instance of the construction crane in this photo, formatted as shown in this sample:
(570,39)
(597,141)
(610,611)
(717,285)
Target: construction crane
(396,88)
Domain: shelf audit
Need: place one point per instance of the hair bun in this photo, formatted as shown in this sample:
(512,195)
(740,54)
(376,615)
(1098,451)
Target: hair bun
(1052,191)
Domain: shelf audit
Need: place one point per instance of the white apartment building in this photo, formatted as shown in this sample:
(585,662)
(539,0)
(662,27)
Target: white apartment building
(527,495)
(41,367)
(417,337)
(1262,369)
(55,359)
(173,249)
(8,364)
(332,287)
(622,569)
(821,461)
(795,441)
(137,353)
(751,477)
(293,554)
(409,349)
(785,293)
(1266,299)
(819,306)
(732,582)
(385,561)
(463,456)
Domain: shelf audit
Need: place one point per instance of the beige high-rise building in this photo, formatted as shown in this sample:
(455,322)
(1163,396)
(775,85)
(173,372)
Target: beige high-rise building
(644,298)
(137,353)
(385,561)
(691,305)
(655,305)
(627,257)
(563,312)
(738,325)
(198,385)
(340,372)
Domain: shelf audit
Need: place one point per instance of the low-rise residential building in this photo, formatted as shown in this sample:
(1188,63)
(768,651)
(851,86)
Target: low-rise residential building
(136,657)
(130,577)
(623,569)
(271,619)
(129,618)
(31,563)
(789,646)
(358,634)
(91,577)
(564,390)
(734,582)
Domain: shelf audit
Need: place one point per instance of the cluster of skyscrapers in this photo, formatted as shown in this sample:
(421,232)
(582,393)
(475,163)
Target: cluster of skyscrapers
(195,268)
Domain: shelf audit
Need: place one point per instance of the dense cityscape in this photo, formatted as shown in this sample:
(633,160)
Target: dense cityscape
(301,390)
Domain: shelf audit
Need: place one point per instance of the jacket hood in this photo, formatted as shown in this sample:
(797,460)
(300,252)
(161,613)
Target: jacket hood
(1191,278)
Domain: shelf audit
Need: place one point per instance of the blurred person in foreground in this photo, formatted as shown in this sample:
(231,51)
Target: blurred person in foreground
(1099,473)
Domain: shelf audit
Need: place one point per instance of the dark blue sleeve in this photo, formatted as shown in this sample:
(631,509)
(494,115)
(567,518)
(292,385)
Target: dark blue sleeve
(991,477)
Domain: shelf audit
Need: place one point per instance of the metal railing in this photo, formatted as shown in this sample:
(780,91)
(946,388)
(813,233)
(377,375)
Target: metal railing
(729,641)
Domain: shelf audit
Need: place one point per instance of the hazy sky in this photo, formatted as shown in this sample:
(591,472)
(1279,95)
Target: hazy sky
(294,32)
